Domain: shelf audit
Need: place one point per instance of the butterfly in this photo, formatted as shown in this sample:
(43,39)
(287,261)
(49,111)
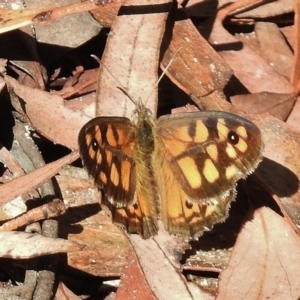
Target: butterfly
(181,169)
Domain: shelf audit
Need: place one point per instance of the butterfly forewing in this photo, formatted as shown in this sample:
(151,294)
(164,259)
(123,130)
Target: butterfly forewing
(106,149)
(208,152)
(197,160)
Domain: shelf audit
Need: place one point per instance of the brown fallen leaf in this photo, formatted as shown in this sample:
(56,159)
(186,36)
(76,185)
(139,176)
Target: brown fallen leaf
(277,105)
(32,180)
(148,21)
(61,125)
(196,69)
(294,117)
(266,10)
(156,267)
(295,74)
(133,284)
(264,263)
(274,48)
(106,248)
(249,67)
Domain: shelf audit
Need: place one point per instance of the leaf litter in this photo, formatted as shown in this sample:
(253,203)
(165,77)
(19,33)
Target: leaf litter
(227,53)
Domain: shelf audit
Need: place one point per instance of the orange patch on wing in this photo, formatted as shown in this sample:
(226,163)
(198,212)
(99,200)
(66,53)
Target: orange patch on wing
(241,145)
(122,136)
(241,131)
(103,177)
(92,153)
(202,133)
(99,157)
(175,147)
(174,204)
(230,151)
(98,135)
(182,134)
(108,157)
(210,171)
(222,130)
(189,209)
(125,174)
(212,151)
(190,171)
(88,139)
(230,172)
(114,175)
(110,137)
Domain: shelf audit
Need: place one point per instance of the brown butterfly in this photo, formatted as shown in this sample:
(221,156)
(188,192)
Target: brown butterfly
(181,168)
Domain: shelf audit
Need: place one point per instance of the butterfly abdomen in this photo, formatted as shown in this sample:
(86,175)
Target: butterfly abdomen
(146,190)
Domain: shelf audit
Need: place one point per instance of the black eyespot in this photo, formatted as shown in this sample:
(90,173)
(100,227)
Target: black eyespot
(188,204)
(233,137)
(95,145)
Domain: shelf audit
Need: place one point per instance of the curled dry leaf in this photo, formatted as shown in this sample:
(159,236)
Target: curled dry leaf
(264,263)
(21,245)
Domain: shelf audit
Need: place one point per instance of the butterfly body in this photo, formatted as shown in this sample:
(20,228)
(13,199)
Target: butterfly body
(180,168)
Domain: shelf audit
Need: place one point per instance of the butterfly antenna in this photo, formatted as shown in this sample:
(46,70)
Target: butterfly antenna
(122,88)
(163,74)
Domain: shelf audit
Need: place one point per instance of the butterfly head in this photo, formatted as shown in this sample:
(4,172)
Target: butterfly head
(141,113)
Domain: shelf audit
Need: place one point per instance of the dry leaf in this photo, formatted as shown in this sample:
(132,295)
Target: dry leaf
(277,105)
(52,106)
(13,19)
(274,48)
(133,284)
(30,181)
(279,172)
(264,263)
(21,245)
(294,117)
(146,26)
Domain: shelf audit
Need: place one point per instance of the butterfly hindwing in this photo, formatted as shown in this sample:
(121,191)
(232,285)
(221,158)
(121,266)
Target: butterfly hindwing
(106,148)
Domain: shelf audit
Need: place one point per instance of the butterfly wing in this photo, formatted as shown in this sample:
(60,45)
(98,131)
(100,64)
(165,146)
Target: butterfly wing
(197,160)
(109,153)
(106,149)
